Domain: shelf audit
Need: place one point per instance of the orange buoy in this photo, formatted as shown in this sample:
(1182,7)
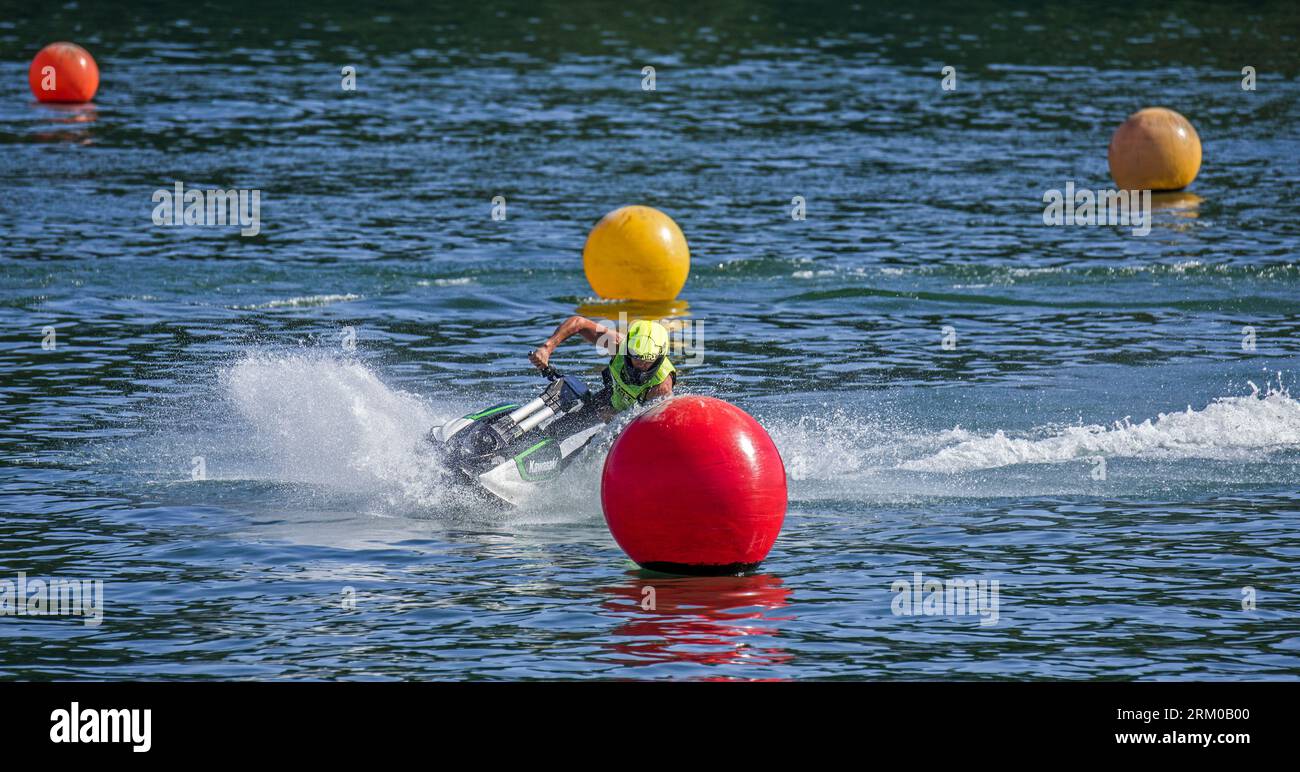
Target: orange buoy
(63,72)
(694,485)
(1155,149)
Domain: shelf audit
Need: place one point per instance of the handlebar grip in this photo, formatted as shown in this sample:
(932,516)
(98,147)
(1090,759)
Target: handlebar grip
(550,373)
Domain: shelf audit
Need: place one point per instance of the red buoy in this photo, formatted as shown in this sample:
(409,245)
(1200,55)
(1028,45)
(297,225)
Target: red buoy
(694,486)
(63,72)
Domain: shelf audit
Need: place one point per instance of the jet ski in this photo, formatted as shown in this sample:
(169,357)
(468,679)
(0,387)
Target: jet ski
(504,452)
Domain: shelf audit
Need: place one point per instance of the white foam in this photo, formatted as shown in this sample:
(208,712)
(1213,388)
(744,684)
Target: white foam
(809,453)
(1229,428)
(457,282)
(303,301)
(317,419)
(328,421)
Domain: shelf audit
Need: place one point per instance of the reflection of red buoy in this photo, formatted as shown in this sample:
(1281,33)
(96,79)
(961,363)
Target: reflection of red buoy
(694,486)
(702,620)
(63,72)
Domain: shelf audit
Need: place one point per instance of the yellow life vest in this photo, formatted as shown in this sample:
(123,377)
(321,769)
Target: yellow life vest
(623,393)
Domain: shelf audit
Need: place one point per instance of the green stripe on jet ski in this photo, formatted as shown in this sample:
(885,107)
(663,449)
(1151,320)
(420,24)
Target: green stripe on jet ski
(489,411)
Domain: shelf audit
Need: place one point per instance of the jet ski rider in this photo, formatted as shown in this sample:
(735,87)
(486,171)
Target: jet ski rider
(638,372)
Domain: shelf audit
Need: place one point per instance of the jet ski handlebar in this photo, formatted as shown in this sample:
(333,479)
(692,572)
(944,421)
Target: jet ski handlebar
(573,388)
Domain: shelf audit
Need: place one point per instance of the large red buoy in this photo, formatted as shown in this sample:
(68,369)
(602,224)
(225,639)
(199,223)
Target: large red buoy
(694,486)
(63,72)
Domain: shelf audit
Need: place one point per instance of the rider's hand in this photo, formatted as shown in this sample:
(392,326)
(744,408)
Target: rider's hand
(541,358)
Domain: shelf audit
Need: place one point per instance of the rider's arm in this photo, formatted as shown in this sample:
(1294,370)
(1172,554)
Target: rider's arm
(664,389)
(576,325)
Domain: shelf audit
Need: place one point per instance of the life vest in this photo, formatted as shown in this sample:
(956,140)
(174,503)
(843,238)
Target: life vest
(624,393)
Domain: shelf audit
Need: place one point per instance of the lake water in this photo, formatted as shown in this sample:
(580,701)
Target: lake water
(1097,431)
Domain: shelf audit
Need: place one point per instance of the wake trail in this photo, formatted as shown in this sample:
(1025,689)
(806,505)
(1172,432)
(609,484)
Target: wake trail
(1228,429)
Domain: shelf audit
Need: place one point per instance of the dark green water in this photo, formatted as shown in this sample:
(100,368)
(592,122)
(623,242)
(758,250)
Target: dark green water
(924,211)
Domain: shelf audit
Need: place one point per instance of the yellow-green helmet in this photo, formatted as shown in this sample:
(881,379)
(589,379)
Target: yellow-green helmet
(647,340)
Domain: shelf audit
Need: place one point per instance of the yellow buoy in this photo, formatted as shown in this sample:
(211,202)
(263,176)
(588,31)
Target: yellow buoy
(636,253)
(1155,149)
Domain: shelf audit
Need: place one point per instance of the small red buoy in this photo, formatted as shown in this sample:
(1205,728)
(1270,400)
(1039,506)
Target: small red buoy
(63,72)
(694,486)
